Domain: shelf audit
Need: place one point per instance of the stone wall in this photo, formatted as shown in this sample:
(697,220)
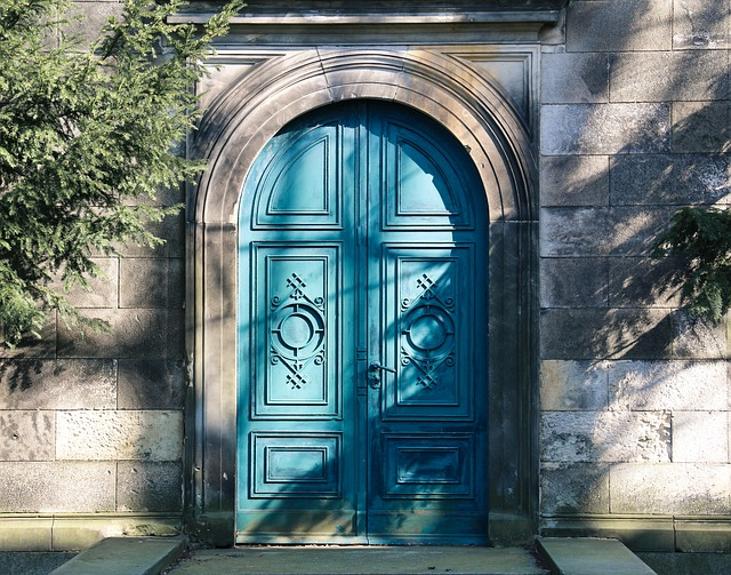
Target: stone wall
(93,422)
(634,393)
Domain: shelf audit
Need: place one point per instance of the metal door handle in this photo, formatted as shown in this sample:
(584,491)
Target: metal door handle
(374,374)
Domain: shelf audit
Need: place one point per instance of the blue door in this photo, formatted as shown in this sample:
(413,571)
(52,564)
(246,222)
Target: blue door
(363,334)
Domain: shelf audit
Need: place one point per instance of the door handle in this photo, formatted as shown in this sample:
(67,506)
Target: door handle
(374,373)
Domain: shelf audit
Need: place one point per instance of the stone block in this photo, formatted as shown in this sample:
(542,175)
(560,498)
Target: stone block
(26,435)
(642,282)
(602,334)
(573,386)
(171,230)
(31,346)
(698,338)
(605,128)
(24,534)
(149,486)
(576,488)
(669,76)
(151,384)
(132,435)
(634,230)
(58,384)
(25,562)
(677,488)
(597,26)
(607,436)
(574,78)
(668,385)
(574,231)
(566,282)
(56,486)
(102,289)
(688,563)
(132,333)
(664,179)
(700,436)
(699,24)
(86,19)
(151,283)
(574,181)
(702,126)
(704,537)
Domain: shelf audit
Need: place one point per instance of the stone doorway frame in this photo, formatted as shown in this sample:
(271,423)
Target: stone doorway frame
(231,135)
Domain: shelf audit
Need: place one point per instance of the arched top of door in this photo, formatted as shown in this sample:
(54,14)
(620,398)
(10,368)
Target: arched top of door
(245,118)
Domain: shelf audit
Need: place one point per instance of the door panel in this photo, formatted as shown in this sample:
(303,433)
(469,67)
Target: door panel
(363,326)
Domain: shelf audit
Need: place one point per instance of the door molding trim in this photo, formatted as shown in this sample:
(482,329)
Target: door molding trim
(234,130)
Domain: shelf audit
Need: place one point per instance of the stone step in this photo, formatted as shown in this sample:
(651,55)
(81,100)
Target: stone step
(589,556)
(361,561)
(125,556)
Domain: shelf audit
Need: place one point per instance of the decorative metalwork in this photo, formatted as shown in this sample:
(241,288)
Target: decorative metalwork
(427,340)
(298,332)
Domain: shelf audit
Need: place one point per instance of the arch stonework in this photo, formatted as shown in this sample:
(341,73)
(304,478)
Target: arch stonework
(232,133)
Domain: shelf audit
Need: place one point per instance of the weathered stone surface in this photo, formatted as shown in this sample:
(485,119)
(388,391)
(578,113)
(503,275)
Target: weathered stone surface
(24,534)
(591,556)
(58,384)
(573,282)
(151,384)
(697,338)
(605,128)
(33,562)
(576,488)
(149,486)
(35,486)
(26,435)
(682,488)
(688,563)
(641,281)
(664,179)
(574,78)
(151,283)
(87,18)
(702,126)
(171,229)
(573,386)
(45,346)
(133,435)
(701,24)
(574,231)
(605,436)
(134,333)
(634,230)
(668,385)
(574,181)
(604,26)
(102,290)
(694,536)
(600,334)
(700,436)
(669,76)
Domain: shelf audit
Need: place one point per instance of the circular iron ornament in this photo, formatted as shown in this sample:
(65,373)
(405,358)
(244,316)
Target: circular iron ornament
(299,330)
(429,331)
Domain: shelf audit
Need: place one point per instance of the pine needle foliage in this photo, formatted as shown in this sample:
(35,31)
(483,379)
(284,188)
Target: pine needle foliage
(702,239)
(87,139)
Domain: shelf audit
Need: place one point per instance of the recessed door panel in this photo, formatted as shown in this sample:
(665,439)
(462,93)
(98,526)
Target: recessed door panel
(362,334)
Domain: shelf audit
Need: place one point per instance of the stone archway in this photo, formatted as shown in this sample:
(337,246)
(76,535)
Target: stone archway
(232,134)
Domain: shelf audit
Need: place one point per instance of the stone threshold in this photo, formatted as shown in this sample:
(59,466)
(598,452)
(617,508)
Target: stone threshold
(125,556)
(587,556)
(73,532)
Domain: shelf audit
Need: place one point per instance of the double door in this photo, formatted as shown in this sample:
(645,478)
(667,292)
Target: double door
(362,334)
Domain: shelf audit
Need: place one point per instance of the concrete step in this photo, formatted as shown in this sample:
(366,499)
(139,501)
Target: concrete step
(589,556)
(360,561)
(125,556)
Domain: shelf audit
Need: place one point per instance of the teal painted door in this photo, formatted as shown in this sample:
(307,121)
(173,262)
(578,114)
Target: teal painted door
(363,334)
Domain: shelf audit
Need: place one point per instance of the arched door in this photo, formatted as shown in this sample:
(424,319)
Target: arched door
(362,334)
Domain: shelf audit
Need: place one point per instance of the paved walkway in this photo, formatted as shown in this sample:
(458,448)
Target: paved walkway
(360,561)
